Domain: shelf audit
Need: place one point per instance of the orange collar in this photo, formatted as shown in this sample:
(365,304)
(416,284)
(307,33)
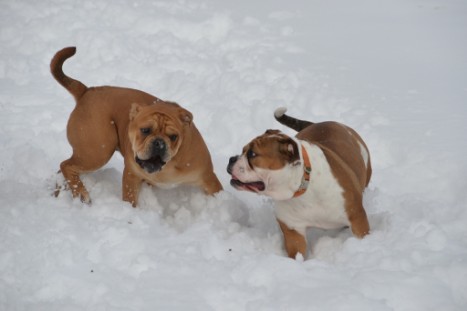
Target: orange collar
(306,174)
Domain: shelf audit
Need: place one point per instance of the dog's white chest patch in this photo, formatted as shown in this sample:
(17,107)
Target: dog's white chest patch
(322,205)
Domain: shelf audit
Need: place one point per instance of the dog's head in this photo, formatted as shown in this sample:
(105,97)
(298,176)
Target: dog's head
(268,165)
(156,133)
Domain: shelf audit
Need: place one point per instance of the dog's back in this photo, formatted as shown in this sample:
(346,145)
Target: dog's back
(342,144)
(338,141)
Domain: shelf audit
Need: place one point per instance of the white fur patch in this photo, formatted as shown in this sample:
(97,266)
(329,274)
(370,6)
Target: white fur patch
(279,112)
(365,154)
(281,184)
(241,170)
(322,205)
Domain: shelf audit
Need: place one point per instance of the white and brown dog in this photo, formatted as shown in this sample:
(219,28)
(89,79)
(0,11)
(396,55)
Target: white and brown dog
(317,177)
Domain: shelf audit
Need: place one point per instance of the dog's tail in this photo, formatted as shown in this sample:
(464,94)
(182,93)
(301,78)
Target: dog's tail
(75,87)
(291,122)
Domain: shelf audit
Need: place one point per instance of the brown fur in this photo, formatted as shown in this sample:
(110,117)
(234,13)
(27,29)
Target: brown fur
(274,150)
(106,119)
(334,137)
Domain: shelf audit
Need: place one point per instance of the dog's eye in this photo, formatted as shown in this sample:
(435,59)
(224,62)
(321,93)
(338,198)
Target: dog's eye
(250,154)
(173,137)
(145,130)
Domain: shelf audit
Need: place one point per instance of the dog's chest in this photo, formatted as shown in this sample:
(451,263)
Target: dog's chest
(322,205)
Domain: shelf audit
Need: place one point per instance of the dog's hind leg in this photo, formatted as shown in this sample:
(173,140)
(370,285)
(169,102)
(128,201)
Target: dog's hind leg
(83,162)
(358,218)
(71,171)
(94,139)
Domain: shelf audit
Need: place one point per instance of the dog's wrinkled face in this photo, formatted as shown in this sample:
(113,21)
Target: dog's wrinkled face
(156,136)
(267,166)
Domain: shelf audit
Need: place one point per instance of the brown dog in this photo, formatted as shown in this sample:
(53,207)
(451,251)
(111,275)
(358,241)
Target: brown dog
(158,140)
(316,178)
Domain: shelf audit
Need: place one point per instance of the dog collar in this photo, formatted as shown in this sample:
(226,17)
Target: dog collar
(306,174)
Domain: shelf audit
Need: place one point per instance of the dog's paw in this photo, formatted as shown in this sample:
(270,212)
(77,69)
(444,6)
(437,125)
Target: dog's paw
(56,183)
(85,198)
(299,257)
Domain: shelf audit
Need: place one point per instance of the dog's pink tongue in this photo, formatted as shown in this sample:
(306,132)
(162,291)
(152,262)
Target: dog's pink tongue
(252,186)
(255,186)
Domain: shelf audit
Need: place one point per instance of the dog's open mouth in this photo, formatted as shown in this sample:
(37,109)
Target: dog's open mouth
(151,165)
(255,186)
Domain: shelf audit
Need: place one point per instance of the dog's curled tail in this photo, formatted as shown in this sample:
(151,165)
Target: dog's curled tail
(291,122)
(75,87)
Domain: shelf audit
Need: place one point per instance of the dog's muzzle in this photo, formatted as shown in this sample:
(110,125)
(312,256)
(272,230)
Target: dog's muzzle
(232,161)
(256,186)
(155,162)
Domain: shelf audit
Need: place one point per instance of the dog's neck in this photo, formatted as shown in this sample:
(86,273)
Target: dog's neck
(306,164)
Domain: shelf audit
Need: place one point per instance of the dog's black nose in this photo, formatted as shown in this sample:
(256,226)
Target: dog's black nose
(158,146)
(232,161)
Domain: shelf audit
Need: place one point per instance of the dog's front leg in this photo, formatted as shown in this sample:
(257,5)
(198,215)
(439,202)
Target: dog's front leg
(294,241)
(130,186)
(211,184)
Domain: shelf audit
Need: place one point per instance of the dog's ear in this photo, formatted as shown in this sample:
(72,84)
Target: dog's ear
(135,109)
(272,132)
(289,148)
(185,116)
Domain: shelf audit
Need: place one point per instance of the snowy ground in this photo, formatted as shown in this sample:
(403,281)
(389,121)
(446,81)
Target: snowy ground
(396,71)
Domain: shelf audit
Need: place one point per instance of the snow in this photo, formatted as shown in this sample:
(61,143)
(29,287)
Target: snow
(395,71)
